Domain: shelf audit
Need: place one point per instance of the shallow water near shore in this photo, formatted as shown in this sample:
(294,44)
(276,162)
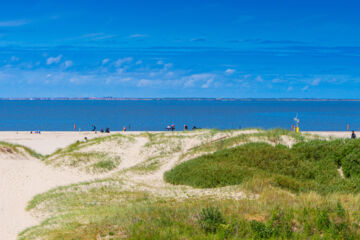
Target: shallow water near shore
(147,115)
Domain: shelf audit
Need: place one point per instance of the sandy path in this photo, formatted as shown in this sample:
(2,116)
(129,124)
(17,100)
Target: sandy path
(20,180)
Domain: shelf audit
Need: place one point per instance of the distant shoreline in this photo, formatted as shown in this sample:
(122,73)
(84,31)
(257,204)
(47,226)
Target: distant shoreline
(182,99)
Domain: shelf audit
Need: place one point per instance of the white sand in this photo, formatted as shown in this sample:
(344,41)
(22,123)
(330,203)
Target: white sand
(335,134)
(21,178)
(47,142)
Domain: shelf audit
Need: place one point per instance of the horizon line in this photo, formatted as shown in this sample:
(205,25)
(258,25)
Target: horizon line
(171,98)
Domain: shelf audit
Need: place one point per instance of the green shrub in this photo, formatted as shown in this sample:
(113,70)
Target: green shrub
(298,169)
(280,224)
(259,230)
(287,182)
(210,219)
(322,219)
(351,164)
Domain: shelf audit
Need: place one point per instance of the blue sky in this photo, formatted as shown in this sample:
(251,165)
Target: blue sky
(241,49)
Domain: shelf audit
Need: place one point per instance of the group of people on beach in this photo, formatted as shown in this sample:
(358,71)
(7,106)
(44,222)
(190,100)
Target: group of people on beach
(172,127)
(168,128)
(107,130)
(35,132)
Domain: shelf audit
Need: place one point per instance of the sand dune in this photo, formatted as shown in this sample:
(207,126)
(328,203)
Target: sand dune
(22,177)
(20,180)
(47,142)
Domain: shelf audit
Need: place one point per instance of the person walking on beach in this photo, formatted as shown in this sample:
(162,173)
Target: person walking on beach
(172,127)
(185,127)
(353,135)
(168,127)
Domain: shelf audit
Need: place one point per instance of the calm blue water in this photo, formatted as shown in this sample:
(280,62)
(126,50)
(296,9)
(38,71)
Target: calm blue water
(157,114)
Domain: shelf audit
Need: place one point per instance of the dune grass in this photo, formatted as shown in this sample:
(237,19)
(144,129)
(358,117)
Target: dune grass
(15,148)
(273,136)
(307,166)
(299,194)
(89,161)
(103,210)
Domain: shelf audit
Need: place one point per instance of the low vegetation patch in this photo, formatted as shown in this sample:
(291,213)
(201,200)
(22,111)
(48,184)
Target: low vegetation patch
(98,211)
(85,156)
(274,136)
(307,166)
(105,165)
(16,148)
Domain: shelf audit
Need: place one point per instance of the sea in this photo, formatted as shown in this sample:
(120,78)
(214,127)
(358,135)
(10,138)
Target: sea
(157,114)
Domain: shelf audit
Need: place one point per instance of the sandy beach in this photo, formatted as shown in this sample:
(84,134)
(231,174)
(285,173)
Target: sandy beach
(22,176)
(47,142)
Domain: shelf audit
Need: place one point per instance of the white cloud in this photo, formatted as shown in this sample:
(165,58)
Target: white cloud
(144,83)
(305,88)
(169,74)
(204,79)
(229,71)
(315,82)
(138,35)
(138,62)
(105,61)
(68,63)
(13,23)
(94,36)
(120,70)
(167,66)
(113,79)
(276,80)
(259,79)
(105,36)
(247,76)
(122,61)
(52,60)
(207,83)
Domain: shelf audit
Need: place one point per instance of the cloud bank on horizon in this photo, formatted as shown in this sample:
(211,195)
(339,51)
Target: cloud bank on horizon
(164,48)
